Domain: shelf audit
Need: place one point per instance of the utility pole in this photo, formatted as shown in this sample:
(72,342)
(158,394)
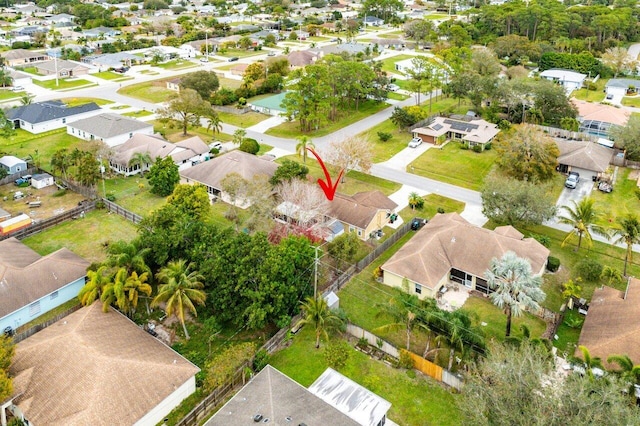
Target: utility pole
(315,275)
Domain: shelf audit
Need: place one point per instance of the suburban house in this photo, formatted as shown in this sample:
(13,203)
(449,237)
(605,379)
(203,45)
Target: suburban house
(112,60)
(620,87)
(101,32)
(570,80)
(63,67)
(372,20)
(394,43)
(41,117)
(112,129)
(598,119)
(185,153)
(273,397)
(20,78)
(587,158)
(212,172)
(21,57)
(449,249)
(32,285)
(465,128)
(97,368)
(611,326)
(271,105)
(41,180)
(357,402)
(302,58)
(12,164)
(174,84)
(364,213)
(404,66)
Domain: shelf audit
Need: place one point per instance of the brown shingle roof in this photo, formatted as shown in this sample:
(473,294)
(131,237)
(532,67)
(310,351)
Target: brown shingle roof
(157,147)
(612,326)
(25,276)
(584,155)
(92,368)
(360,209)
(600,112)
(450,241)
(212,172)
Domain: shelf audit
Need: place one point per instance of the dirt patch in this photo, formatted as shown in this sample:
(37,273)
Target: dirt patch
(634,174)
(52,201)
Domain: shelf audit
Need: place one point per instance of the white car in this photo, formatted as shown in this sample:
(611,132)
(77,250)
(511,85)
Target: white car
(393,87)
(216,145)
(415,142)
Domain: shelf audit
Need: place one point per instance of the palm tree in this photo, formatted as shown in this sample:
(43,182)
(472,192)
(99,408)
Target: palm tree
(590,362)
(238,136)
(453,338)
(134,285)
(629,233)
(414,200)
(627,370)
(213,122)
(140,159)
(301,148)
(582,216)
(611,274)
(316,312)
(92,290)
(114,292)
(128,255)
(180,289)
(516,288)
(402,308)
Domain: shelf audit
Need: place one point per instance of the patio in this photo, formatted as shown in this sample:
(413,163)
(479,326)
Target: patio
(452,296)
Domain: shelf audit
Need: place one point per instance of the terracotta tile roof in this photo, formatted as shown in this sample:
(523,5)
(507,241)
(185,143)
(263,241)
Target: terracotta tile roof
(599,112)
(360,209)
(448,241)
(584,155)
(94,368)
(25,276)
(612,326)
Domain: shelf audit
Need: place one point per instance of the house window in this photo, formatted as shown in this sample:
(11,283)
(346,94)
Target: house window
(34,308)
(418,289)
(351,228)
(54,295)
(130,135)
(64,120)
(359,232)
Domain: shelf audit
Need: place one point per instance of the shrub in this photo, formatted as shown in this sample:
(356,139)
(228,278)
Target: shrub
(542,239)
(362,342)
(589,269)
(405,360)
(464,146)
(260,360)
(111,197)
(336,354)
(637,192)
(250,145)
(477,148)
(384,136)
(487,146)
(553,263)
(440,210)
(377,273)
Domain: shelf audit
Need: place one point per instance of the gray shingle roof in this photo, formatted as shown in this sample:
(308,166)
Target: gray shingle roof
(41,112)
(107,125)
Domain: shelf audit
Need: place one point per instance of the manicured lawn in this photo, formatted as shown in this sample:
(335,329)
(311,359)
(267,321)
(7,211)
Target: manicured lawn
(618,203)
(388,64)
(82,101)
(453,165)
(383,151)
(496,320)
(432,202)
(30,70)
(632,101)
(130,196)
(291,129)
(568,336)
(151,91)
(173,134)
(178,64)
(436,16)
(63,84)
(24,144)
(110,75)
(591,95)
(240,53)
(229,83)
(8,94)
(264,148)
(397,96)
(414,401)
(242,120)
(138,114)
(354,182)
(117,107)
(85,237)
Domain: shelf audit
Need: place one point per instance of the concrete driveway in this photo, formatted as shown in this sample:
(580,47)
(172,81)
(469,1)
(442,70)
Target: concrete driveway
(582,190)
(401,160)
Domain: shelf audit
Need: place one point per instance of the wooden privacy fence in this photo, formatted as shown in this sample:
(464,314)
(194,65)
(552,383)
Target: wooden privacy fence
(400,232)
(425,366)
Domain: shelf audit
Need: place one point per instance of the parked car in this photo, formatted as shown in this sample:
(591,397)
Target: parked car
(233,59)
(415,142)
(572,180)
(271,54)
(23,180)
(216,145)
(393,87)
(17,89)
(121,70)
(204,59)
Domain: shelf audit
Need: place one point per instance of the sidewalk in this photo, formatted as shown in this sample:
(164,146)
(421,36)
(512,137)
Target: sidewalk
(265,125)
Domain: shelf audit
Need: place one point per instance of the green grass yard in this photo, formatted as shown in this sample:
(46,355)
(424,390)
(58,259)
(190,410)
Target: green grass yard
(64,84)
(6,95)
(138,114)
(596,95)
(131,196)
(81,101)
(178,64)
(620,202)
(151,91)
(113,76)
(414,401)
(242,120)
(631,101)
(454,165)
(432,202)
(42,146)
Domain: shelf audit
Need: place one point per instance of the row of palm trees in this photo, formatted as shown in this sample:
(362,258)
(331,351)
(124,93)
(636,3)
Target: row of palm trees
(583,217)
(124,279)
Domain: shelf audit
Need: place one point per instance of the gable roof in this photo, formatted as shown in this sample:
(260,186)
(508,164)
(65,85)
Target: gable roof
(563,75)
(279,399)
(212,172)
(584,155)
(611,326)
(359,209)
(107,125)
(23,54)
(449,241)
(41,112)
(10,161)
(94,368)
(25,276)
(157,147)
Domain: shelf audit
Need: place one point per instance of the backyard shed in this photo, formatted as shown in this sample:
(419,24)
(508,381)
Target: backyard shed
(41,180)
(12,164)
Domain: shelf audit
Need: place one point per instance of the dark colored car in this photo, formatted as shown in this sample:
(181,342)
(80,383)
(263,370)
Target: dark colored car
(233,59)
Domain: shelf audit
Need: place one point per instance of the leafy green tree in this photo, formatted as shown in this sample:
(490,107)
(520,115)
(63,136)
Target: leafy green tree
(250,146)
(94,287)
(288,170)
(453,338)
(188,108)
(88,170)
(582,216)
(516,202)
(163,176)
(336,354)
(7,351)
(402,118)
(343,249)
(572,289)
(180,290)
(192,200)
(317,314)
(61,161)
(590,362)
(140,159)
(527,154)
(610,274)
(203,82)
(301,148)
(629,234)
(628,137)
(515,287)
(627,370)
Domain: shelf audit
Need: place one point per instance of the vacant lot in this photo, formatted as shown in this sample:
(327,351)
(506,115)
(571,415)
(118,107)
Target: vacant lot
(53,201)
(151,91)
(63,84)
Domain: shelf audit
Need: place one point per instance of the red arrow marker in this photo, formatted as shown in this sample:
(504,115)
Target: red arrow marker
(328,187)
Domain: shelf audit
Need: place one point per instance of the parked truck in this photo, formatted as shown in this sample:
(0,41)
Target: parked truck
(14,224)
